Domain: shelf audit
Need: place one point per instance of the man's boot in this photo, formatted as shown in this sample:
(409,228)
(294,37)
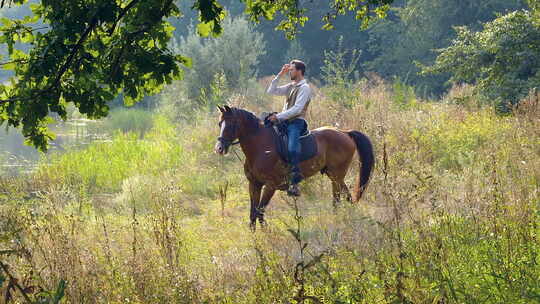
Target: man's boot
(295,178)
(293,190)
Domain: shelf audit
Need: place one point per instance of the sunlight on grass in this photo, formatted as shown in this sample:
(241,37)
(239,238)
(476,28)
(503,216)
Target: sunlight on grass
(450,216)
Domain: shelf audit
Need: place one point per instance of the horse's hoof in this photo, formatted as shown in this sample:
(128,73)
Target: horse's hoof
(336,205)
(253,226)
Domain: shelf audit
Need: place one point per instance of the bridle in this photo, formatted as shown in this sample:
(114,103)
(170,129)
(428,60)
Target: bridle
(226,142)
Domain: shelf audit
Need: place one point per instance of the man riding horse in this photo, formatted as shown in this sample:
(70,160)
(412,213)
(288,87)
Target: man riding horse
(298,96)
(326,150)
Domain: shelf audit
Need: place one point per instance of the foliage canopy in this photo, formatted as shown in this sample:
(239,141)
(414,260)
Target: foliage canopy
(91,51)
(414,29)
(502,59)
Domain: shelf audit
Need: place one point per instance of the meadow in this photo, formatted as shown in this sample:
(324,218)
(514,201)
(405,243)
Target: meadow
(451,215)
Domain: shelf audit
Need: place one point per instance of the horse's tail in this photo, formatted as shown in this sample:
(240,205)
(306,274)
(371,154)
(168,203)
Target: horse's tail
(367,158)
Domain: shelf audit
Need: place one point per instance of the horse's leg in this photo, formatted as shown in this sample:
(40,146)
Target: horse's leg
(267,194)
(345,190)
(337,176)
(336,192)
(254,196)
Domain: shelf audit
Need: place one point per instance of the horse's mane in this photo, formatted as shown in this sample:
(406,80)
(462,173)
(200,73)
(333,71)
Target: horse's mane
(252,121)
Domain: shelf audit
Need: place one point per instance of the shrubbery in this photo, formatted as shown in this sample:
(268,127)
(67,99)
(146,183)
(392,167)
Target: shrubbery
(502,59)
(456,144)
(235,55)
(450,214)
(222,68)
(137,121)
(103,166)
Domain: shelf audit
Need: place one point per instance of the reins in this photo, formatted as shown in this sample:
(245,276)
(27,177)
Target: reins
(228,142)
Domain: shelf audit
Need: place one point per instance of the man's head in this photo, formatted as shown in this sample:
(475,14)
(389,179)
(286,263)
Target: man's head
(297,69)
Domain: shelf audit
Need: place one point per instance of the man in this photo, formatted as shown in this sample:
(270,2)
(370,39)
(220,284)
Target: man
(298,96)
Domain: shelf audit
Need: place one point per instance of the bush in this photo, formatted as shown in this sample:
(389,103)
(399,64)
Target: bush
(175,105)
(414,28)
(103,166)
(456,144)
(404,96)
(126,120)
(501,60)
(339,73)
(235,54)
(463,95)
(223,67)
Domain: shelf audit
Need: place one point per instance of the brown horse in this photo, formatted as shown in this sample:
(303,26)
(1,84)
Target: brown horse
(264,167)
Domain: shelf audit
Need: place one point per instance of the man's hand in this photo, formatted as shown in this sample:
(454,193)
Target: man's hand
(273,118)
(284,69)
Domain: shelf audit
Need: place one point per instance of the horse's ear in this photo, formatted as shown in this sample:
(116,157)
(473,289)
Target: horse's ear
(227,108)
(221,109)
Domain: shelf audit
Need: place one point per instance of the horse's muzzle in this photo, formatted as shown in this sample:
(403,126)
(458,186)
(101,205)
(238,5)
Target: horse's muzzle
(221,148)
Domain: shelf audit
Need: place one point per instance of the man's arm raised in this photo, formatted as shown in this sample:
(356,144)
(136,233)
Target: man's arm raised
(274,89)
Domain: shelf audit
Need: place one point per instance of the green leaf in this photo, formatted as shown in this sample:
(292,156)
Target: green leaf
(9,66)
(59,293)
(204,29)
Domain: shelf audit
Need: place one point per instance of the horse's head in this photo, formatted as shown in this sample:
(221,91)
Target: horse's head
(229,124)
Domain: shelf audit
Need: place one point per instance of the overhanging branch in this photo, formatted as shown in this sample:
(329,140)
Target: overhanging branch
(67,64)
(121,15)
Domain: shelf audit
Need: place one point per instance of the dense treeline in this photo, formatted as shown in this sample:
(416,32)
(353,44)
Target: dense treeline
(428,46)
(400,48)
(412,31)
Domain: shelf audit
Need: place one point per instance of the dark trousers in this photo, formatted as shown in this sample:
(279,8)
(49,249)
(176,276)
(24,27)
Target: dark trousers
(295,128)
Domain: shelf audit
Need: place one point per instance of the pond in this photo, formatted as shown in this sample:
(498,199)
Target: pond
(17,158)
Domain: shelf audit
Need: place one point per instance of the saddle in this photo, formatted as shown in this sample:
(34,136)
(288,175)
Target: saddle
(308,144)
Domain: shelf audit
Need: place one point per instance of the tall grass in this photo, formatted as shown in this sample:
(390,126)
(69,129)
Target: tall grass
(132,120)
(105,166)
(451,214)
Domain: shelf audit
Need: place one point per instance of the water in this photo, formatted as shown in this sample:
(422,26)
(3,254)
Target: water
(16,158)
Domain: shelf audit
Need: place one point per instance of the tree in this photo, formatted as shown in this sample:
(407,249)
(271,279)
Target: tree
(235,53)
(415,28)
(534,5)
(312,38)
(92,51)
(503,59)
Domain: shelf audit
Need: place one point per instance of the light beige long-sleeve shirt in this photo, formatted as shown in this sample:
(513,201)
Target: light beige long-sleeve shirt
(302,98)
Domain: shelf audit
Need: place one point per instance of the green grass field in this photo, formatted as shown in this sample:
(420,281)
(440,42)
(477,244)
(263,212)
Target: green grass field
(452,214)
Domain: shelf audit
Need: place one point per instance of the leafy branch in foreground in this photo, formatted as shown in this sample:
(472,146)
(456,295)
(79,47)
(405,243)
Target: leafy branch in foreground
(91,51)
